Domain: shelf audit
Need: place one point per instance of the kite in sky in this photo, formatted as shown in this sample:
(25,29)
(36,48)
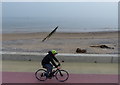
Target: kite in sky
(50,34)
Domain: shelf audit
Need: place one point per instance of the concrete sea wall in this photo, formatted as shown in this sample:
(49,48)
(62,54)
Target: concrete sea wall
(87,58)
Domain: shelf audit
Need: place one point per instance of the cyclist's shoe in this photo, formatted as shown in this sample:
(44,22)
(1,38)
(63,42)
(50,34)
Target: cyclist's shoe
(49,77)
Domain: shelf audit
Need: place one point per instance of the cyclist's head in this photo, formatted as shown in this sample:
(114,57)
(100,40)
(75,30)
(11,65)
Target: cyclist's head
(54,52)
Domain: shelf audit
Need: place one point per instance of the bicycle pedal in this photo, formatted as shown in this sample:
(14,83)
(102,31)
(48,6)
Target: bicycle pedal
(42,75)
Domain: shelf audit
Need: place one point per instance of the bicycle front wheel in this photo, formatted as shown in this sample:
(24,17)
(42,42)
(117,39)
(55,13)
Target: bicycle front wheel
(62,75)
(40,75)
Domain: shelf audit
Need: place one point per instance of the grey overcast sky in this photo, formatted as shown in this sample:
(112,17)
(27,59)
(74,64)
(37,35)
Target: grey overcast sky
(89,14)
(61,9)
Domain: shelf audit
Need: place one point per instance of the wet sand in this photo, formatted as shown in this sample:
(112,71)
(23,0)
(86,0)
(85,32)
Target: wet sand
(62,42)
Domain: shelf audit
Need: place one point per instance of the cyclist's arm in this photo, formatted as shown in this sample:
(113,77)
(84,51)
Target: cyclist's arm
(53,63)
(56,61)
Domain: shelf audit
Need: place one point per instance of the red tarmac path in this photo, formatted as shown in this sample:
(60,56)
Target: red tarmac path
(28,77)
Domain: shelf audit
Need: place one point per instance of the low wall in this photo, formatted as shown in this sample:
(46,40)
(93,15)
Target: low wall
(87,58)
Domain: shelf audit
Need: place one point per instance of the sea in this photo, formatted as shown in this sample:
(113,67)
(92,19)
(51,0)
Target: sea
(44,24)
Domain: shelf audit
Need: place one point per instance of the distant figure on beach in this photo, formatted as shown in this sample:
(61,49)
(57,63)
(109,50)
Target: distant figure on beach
(48,62)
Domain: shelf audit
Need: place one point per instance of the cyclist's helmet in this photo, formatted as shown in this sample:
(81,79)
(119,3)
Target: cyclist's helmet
(54,52)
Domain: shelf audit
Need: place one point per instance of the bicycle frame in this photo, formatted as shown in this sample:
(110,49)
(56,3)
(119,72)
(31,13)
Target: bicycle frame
(53,72)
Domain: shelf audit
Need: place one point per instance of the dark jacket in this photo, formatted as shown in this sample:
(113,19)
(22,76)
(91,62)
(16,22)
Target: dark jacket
(49,58)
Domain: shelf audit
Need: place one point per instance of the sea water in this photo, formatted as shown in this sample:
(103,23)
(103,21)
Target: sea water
(40,24)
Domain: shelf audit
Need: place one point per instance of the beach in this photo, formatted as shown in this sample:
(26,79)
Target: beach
(63,42)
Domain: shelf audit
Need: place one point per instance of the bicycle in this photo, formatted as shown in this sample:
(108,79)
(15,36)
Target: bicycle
(59,74)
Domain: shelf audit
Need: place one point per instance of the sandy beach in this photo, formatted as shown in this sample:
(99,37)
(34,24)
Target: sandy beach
(62,42)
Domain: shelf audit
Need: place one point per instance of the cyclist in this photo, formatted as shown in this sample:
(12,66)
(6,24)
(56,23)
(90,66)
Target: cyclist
(48,62)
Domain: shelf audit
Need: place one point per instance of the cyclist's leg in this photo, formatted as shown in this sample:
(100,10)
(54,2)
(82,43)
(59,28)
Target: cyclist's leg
(49,69)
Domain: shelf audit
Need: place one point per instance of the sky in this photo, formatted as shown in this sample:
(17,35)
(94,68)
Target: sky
(59,9)
(80,14)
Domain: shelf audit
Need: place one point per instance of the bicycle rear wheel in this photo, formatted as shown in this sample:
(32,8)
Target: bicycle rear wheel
(62,75)
(40,75)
